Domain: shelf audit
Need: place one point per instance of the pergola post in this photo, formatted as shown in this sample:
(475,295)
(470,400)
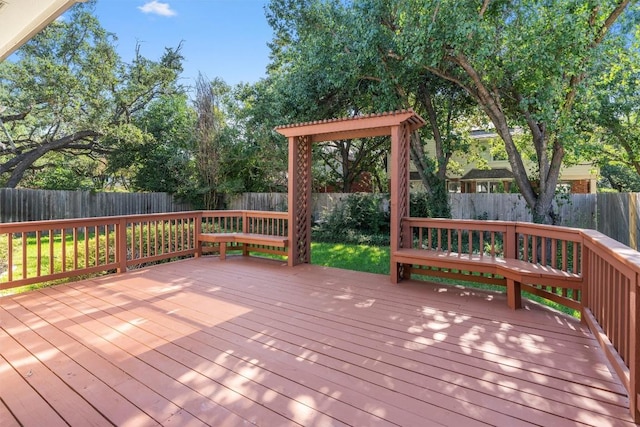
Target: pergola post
(399,193)
(299,200)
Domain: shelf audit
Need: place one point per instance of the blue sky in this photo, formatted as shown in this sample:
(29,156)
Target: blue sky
(221,38)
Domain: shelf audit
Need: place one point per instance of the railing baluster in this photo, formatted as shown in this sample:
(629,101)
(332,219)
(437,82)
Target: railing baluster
(51,258)
(24,255)
(75,248)
(493,243)
(10,255)
(38,253)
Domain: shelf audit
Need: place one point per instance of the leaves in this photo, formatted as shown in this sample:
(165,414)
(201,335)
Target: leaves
(76,96)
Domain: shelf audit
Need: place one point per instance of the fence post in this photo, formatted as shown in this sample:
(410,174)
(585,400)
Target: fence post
(121,245)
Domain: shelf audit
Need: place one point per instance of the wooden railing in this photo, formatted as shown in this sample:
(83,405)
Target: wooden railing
(43,251)
(257,222)
(611,306)
(608,295)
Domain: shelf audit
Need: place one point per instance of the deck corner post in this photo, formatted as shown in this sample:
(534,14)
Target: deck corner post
(634,351)
(121,245)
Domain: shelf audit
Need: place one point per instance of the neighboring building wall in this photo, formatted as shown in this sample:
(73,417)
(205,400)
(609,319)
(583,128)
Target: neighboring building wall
(581,179)
(581,186)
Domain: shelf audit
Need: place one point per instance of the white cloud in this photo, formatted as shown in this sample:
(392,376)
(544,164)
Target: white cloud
(157,8)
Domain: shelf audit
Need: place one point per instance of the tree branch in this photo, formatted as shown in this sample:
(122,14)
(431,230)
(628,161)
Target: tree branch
(483,9)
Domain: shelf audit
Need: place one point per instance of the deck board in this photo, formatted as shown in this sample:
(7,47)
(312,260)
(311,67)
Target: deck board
(251,341)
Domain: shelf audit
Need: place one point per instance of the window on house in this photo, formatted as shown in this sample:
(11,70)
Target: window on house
(482,187)
(489,187)
(453,187)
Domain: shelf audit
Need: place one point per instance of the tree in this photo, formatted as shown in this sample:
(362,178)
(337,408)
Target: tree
(210,138)
(315,78)
(162,161)
(525,63)
(69,93)
(256,112)
(613,109)
(341,56)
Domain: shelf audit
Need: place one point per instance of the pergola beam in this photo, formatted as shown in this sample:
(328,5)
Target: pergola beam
(353,127)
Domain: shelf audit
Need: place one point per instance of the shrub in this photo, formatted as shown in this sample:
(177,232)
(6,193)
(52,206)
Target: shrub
(361,219)
(424,205)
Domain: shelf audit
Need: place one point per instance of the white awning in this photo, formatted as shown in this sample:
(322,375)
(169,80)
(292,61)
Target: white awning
(20,20)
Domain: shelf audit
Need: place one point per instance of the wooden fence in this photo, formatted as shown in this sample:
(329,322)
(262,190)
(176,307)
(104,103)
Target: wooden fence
(574,210)
(38,205)
(613,214)
(321,203)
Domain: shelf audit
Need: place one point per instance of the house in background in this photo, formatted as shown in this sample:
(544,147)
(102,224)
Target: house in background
(492,172)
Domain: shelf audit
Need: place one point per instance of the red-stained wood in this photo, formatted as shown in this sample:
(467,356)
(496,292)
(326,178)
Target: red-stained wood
(252,341)
(23,400)
(8,420)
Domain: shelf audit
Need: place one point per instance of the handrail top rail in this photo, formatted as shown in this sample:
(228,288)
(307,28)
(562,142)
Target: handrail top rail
(480,223)
(13,227)
(246,212)
(610,249)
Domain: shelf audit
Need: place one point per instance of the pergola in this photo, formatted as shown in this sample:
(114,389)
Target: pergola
(397,124)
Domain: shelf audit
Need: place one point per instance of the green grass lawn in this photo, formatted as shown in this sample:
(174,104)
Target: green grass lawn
(32,260)
(372,259)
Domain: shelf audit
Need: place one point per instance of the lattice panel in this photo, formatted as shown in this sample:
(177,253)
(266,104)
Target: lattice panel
(302,200)
(403,185)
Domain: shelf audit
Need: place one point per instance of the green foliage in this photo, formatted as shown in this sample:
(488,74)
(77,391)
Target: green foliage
(359,219)
(618,178)
(65,172)
(160,159)
(612,109)
(343,46)
(426,205)
(362,218)
(525,64)
(70,95)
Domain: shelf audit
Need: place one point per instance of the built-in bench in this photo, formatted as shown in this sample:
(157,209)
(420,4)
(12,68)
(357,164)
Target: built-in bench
(520,256)
(246,240)
(518,274)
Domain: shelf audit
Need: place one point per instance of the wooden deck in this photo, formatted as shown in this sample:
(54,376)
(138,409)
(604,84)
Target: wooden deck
(250,341)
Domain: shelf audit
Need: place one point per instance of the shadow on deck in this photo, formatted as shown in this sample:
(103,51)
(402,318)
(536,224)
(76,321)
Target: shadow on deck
(251,341)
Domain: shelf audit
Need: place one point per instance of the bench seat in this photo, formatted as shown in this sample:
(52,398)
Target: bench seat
(245,238)
(516,272)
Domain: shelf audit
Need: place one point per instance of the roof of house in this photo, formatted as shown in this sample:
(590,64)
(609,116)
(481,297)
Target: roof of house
(486,174)
(23,19)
